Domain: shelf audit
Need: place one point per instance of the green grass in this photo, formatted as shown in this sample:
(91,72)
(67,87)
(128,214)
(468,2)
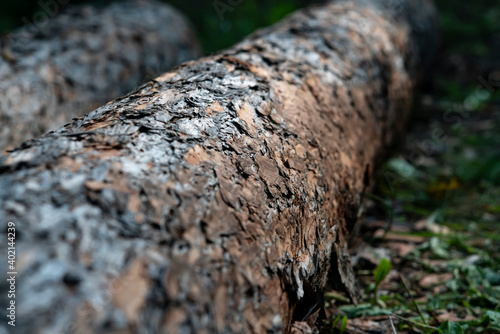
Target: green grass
(473,289)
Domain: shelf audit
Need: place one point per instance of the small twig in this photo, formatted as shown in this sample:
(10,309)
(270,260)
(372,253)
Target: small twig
(392,325)
(336,296)
(313,308)
(413,300)
(413,322)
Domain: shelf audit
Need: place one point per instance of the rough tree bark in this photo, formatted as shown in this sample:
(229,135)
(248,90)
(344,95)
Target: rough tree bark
(217,197)
(72,64)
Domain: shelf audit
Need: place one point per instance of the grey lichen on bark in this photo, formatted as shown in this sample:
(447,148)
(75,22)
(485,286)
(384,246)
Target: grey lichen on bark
(80,59)
(219,196)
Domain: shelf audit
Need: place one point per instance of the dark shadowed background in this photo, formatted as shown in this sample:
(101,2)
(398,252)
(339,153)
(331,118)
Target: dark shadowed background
(219,23)
(469,26)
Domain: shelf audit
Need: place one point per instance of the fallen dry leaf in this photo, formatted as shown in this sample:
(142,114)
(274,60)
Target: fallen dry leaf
(399,237)
(400,248)
(372,255)
(434,279)
(378,324)
(452,316)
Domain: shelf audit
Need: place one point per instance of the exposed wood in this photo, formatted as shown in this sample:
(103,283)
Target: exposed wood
(217,197)
(67,66)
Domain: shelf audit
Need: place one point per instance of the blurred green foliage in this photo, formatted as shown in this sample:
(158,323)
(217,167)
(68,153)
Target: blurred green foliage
(470,27)
(220,24)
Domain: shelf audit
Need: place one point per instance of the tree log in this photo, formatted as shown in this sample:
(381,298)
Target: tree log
(219,196)
(68,66)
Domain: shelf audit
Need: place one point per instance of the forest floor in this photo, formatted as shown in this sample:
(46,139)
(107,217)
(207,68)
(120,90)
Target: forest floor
(434,214)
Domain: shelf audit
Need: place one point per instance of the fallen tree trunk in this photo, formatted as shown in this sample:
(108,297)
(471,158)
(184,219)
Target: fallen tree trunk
(217,197)
(68,66)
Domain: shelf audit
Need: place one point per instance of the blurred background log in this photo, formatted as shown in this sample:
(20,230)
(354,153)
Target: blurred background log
(56,69)
(219,196)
